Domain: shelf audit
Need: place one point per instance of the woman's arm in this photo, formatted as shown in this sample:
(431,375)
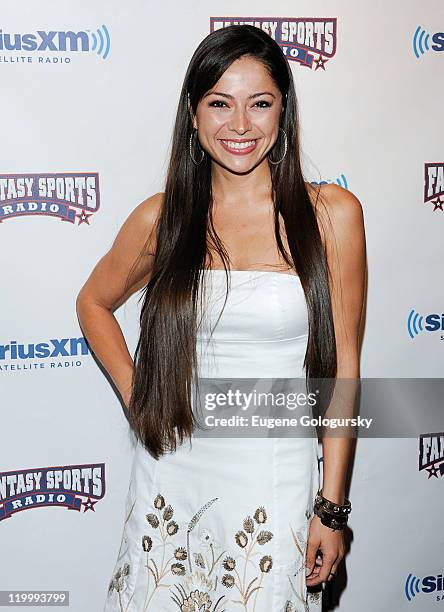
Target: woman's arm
(124,269)
(344,237)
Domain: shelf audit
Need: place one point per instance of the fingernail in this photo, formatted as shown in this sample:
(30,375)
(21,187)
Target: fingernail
(307,571)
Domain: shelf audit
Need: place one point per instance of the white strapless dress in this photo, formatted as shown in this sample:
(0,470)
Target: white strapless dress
(222,525)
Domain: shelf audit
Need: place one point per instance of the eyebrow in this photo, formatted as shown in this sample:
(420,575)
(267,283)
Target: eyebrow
(225,95)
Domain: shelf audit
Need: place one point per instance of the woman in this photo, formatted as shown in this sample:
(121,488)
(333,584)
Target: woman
(230,523)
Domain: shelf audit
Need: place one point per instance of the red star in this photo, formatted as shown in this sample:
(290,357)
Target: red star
(320,62)
(83,217)
(89,504)
(437,204)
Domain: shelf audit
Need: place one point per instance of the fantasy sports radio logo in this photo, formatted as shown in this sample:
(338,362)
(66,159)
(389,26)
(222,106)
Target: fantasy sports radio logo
(417,323)
(72,486)
(429,584)
(420,42)
(56,353)
(434,184)
(97,42)
(299,37)
(431,454)
(68,196)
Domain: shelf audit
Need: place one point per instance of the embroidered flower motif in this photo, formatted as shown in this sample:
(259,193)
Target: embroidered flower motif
(196,602)
(297,580)
(229,563)
(198,581)
(207,538)
(118,581)
(249,524)
(152,520)
(178,569)
(266,563)
(180,553)
(147,543)
(194,593)
(264,537)
(260,516)
(228,580)
(247,540)
(199,560)
(159,502)
(172,528)
(168,513)
(241,539)
(314,597)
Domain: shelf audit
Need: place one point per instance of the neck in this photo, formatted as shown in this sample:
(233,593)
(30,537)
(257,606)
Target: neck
(249,188)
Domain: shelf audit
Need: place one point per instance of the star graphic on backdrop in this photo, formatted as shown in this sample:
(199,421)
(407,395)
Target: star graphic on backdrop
(437,204)
(320,62)
(83,217)
(433,471)
(89,504)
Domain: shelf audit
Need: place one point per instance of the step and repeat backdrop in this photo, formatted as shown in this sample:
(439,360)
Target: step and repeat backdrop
(88,97)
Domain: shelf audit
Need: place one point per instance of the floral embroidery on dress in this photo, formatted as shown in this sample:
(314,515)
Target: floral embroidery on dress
(202,580)
(196,591)
(315,597)
(119,580)
(300,543)
(204,572)
(247,539)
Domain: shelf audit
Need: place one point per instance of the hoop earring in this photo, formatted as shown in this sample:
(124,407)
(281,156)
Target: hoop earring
(285,149)
(191,150)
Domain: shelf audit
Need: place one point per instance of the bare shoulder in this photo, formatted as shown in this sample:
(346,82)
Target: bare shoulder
(148,211)
(338,210)
(138,231)
(127,265)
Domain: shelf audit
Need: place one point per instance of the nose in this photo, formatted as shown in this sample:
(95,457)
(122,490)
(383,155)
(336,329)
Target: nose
(240,121)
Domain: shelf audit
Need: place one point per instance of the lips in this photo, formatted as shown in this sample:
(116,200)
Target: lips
(240,146)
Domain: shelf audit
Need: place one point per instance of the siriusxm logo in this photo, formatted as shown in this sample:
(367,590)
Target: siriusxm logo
(421,42)
(55,347)
(417,323)
(84,41)
(341,180)
(428,584)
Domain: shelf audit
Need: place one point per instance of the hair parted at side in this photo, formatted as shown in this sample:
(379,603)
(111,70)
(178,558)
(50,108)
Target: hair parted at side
(165,360)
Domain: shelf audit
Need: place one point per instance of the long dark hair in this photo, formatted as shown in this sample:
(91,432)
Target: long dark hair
(165,360)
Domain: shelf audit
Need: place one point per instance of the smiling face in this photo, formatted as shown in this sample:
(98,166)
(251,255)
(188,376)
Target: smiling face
(238,118)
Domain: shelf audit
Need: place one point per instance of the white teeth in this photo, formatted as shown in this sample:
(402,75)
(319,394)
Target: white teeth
(238,145)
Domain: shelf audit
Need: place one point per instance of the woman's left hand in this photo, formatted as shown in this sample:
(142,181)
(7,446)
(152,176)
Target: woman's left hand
(331,544)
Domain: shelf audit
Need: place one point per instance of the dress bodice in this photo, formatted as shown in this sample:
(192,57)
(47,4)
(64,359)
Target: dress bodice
(263,328)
